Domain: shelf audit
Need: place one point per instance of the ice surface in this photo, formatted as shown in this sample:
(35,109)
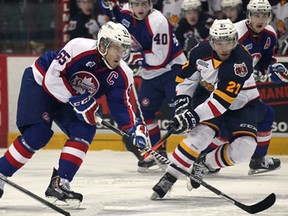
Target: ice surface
(109,179)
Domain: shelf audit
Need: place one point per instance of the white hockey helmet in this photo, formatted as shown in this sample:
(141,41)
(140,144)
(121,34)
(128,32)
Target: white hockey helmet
(223,30)
(191,5)
(113,33)
(231,3)
(259,6)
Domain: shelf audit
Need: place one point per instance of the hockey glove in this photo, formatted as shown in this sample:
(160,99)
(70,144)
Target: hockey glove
(278,73)
(135,58)
(184,121)
(182,102)
(139,135)
(85,107)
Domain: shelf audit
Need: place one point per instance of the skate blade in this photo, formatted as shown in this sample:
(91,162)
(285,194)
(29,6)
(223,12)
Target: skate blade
(67,204)
(154,196)
(188,180)
(152,169)
(259,171)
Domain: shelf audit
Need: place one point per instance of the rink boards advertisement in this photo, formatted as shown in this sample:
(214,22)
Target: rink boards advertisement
(12,67)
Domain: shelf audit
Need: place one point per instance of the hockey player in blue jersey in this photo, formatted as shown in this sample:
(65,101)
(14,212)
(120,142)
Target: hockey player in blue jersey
(224,68)
(63,87)
(259,38)
(232,10)
(194,26)
(156,49)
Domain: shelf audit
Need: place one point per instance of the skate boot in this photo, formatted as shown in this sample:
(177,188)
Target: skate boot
(149,164)
(263,164)
(212,172)
(163,186)
(144,165)
(198,170)
(59,193)
(2,184)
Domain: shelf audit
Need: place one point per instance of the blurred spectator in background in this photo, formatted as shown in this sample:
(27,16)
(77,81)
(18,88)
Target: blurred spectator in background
(84,23)
(280,23)
(158,4)
(233,10)
(194,26)
(213,7)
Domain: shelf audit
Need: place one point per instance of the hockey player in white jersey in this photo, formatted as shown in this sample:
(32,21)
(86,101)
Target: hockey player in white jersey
(224,68)
(63,87)
(157,51)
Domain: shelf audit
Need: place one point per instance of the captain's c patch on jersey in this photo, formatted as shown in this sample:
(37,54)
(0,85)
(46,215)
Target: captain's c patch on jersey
(240,69)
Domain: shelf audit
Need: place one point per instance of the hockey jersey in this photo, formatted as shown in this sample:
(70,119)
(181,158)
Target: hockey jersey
(155,41)
(78,67)
(261,46)
(230,82)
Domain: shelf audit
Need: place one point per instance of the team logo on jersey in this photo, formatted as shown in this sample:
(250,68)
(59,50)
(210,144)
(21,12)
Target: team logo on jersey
(83,81)
(240,69)
(72,25)
(46,117)
(145,102)
(249,46)
(202,63)
(268,43)
(90,64)
(126,23)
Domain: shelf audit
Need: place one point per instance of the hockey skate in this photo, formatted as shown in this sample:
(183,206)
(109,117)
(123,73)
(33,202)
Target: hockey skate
(198,170)
(2,184)
(59,193)
(263,164)
(150,164)
(163,186)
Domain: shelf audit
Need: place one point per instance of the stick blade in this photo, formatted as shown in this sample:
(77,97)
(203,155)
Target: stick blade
(260,206)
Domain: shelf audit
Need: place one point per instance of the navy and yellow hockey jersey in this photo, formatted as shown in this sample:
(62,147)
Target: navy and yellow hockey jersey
(230,82)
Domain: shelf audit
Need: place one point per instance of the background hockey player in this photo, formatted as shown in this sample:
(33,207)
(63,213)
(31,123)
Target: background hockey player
(194,26)
(223,67)
(232,10)
(84,23)
(157,50)
(62,87)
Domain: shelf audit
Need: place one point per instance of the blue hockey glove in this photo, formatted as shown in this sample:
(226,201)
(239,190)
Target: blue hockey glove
(184,121)
(182,102)
(139,135)
(278,73)
(86,107)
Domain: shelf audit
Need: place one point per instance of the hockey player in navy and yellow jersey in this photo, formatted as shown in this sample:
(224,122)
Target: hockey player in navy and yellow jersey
(159,54)
(63,87)
(224,68)
(259,39)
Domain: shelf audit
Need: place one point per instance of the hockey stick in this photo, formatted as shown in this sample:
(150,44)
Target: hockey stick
(121,133)
(158,144)
(91,211)
(39,199)
(252,209)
